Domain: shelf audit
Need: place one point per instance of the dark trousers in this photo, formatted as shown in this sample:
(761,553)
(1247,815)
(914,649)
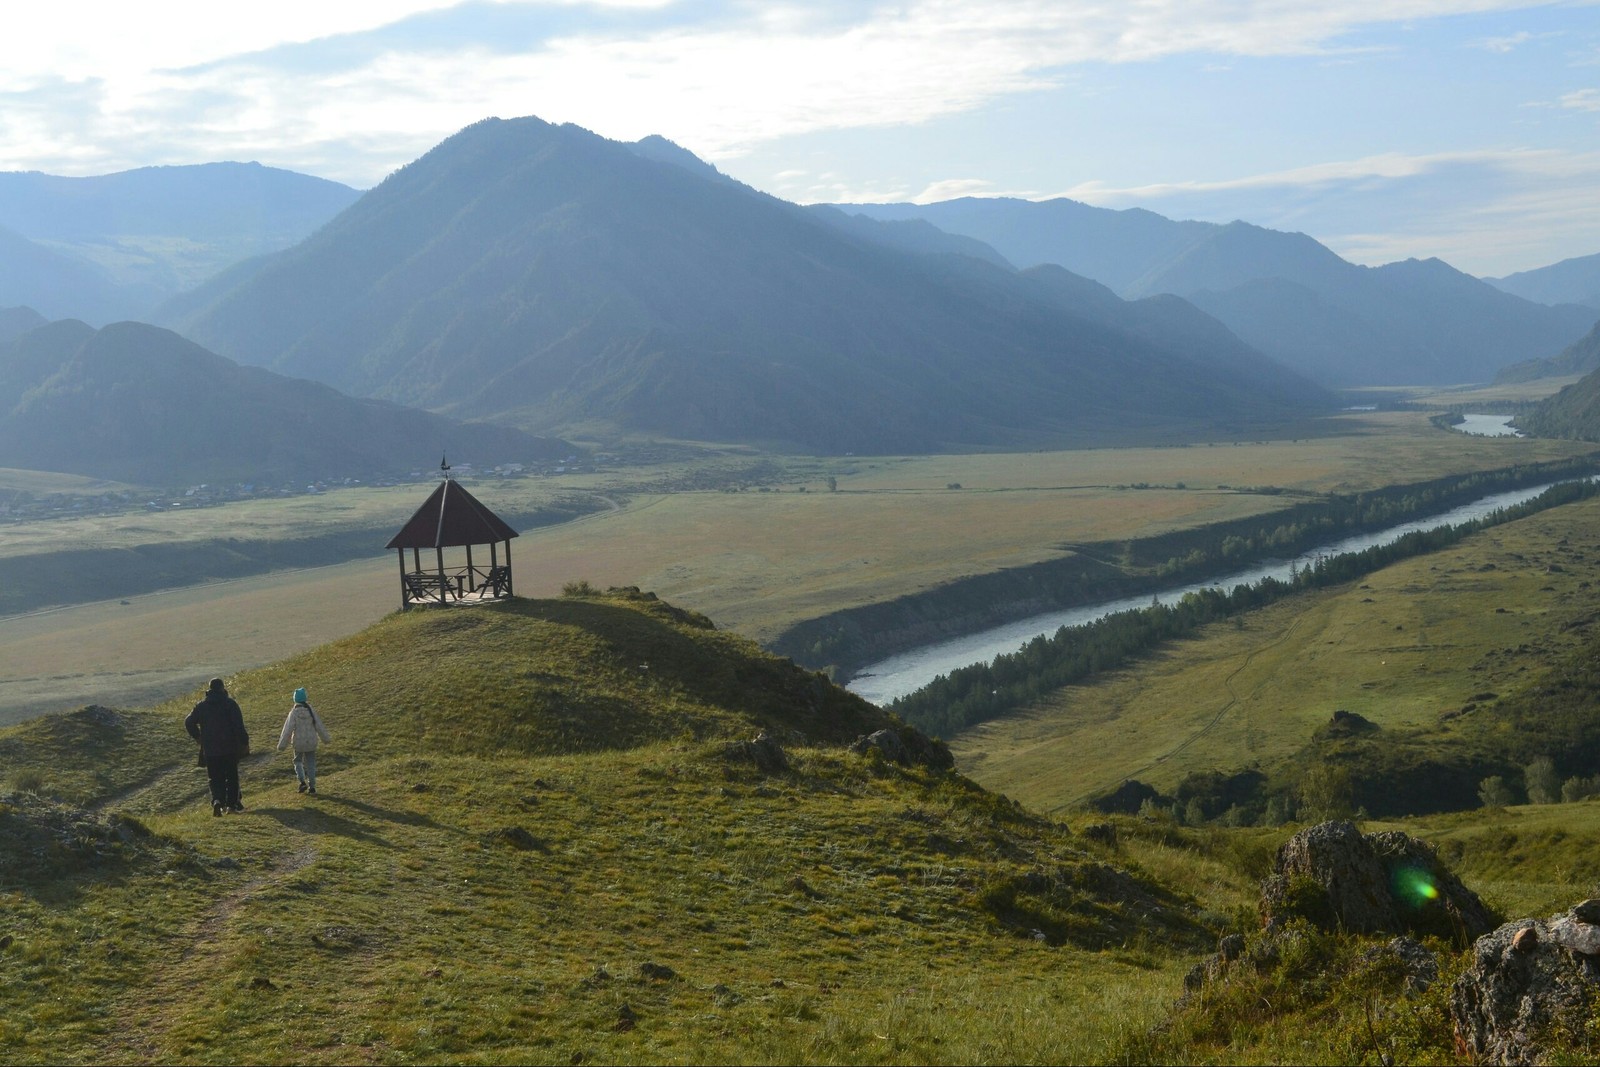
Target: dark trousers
(224,775)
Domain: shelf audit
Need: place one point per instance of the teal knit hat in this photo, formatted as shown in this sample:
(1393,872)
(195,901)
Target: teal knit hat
(300,696)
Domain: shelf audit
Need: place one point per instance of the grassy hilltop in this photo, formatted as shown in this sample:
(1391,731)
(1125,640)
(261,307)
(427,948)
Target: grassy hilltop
(540,839)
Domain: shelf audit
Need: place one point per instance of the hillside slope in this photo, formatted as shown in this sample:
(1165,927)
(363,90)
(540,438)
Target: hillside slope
(1575,410)
(60,285)
(546,275)
(1580,357)
(140,404)
(642,891)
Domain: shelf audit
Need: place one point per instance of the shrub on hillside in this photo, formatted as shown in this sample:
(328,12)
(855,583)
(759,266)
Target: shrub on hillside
(1495,793)
(1576,788)
(1541,781)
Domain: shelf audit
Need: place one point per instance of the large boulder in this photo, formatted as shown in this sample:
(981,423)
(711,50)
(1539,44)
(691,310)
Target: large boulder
(764,752)
(908,746)
(1526,997)
(1386,883)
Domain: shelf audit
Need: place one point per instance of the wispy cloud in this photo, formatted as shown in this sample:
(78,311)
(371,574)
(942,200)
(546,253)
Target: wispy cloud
(719,77)
(1390,166)
(951,188)
(1582,100)
(1511,42)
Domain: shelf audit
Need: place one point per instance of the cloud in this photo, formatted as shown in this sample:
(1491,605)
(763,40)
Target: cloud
(1390,165)
(1582,100)
(1512,42)
(952,188)
(720,77)
(78,39)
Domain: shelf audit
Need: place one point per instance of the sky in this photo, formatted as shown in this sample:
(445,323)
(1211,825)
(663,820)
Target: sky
(1386,129)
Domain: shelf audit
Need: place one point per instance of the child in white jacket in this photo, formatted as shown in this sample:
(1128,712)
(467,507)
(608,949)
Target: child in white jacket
(303,727)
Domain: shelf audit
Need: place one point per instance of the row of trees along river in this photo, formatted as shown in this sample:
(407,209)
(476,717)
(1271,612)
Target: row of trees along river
(977,693)
(861,642)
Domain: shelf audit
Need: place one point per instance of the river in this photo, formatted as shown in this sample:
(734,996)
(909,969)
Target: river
(1487,426)
(889,679)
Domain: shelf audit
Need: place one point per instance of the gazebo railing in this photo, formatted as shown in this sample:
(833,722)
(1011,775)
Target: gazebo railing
(456,583)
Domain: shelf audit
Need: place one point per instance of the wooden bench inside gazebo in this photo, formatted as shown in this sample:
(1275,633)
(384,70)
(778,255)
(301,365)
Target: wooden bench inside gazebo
(455,519)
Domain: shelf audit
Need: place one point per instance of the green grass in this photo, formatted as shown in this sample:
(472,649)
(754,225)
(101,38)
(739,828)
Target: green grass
(526,848)
(1408,647)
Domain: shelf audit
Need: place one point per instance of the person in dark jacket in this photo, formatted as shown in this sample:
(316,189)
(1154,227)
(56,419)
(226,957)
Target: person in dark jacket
(218,724)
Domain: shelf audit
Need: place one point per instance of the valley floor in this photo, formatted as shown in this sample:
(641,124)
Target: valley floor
(1408,647)
(756,560)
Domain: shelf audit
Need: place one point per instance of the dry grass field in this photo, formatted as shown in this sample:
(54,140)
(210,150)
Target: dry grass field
(754,561)
(1515,392)
(1402,647)
(47,482)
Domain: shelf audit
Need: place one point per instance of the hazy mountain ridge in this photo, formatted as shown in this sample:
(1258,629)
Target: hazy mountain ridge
(14,322)
(138,403)
(1571,281)
(1420,321)
(112,246)
(57,284)
(543,274)
(1580,357)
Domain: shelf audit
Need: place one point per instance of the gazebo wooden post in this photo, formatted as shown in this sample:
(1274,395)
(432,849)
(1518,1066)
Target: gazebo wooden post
(416,559)
(472,579)
(405,601)
(439,550)
(509,591)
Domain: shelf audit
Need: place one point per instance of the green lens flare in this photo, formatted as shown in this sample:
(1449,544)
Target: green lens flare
(1415,886)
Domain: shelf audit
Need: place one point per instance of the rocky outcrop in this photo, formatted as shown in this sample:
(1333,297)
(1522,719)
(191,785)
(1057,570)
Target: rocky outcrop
(1386,883)
(1528,993)
(906,746)
(764,752)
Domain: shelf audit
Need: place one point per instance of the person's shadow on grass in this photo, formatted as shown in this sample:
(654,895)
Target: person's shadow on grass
(394,815)
(310,820)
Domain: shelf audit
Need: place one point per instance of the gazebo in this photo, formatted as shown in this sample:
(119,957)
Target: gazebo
(452,518)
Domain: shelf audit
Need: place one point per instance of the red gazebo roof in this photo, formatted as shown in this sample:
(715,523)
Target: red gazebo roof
(450,518)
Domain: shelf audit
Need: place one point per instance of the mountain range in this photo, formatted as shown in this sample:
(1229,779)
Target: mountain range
(544,277)
(138,403)
(1571,281)
(113,246)
(548,277)
(1412,322)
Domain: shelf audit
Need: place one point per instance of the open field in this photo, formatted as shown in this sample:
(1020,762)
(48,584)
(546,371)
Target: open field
(755,561)
(150,647)
(1513,392)
(50,482)
(1406,645)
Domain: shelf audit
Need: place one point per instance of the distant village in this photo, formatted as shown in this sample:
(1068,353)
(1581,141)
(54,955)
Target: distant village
(19,505)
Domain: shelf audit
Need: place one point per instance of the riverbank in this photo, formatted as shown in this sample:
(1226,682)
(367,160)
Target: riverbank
(960,698)
(847,642)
